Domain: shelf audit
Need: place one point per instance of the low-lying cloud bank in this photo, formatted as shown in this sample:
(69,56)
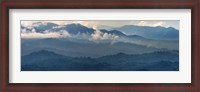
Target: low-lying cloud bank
(30,33)
(46,34)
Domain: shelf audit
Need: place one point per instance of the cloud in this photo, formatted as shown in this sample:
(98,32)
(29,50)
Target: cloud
(23,30)
(46,34)
(29,31)
(26,23)
(98,35)
(91,24)
(149,23)
(31,24)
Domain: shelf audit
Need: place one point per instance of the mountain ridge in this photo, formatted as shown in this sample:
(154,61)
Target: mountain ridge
(169,33)
(158,32)
(105,63)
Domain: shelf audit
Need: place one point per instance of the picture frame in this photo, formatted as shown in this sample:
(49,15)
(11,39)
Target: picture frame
(111,4)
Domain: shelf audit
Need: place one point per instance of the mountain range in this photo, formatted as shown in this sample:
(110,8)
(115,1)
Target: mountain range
(75,47)
(49,61)
(158,33)
(82,35)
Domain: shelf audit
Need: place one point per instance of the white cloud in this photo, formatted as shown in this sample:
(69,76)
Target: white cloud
(91,24)
(46,34)
(23,30)
(98,35)
(149,23)
(31,24)
(26,23)
(158,24)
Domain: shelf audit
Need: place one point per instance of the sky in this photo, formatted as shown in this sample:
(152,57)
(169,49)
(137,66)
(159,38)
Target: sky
(116,23)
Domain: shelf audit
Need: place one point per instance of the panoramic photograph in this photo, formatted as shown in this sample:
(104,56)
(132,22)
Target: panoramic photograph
(99,45)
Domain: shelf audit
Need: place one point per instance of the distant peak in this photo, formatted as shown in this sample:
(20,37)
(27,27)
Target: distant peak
(43,52)
(130,26)
(160,27)
(114,30)
(120,53)
(74,24)
(171,28)
(135,36)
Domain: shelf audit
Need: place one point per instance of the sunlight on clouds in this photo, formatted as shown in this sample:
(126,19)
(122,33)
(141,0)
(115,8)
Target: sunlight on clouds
(98,35)
(46,34)
(146,23)
(91,24)
(26,23)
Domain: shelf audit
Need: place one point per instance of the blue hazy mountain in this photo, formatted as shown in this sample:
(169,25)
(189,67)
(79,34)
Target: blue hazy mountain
(42,27)
(50,61)
(41,55)
(78,28)
(113,32)
(151,32)
(76,48)
(73,47)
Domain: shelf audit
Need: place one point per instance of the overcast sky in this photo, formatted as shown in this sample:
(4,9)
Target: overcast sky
(116,23)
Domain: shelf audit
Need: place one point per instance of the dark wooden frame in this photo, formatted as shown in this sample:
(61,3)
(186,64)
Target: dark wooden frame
(98,4)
